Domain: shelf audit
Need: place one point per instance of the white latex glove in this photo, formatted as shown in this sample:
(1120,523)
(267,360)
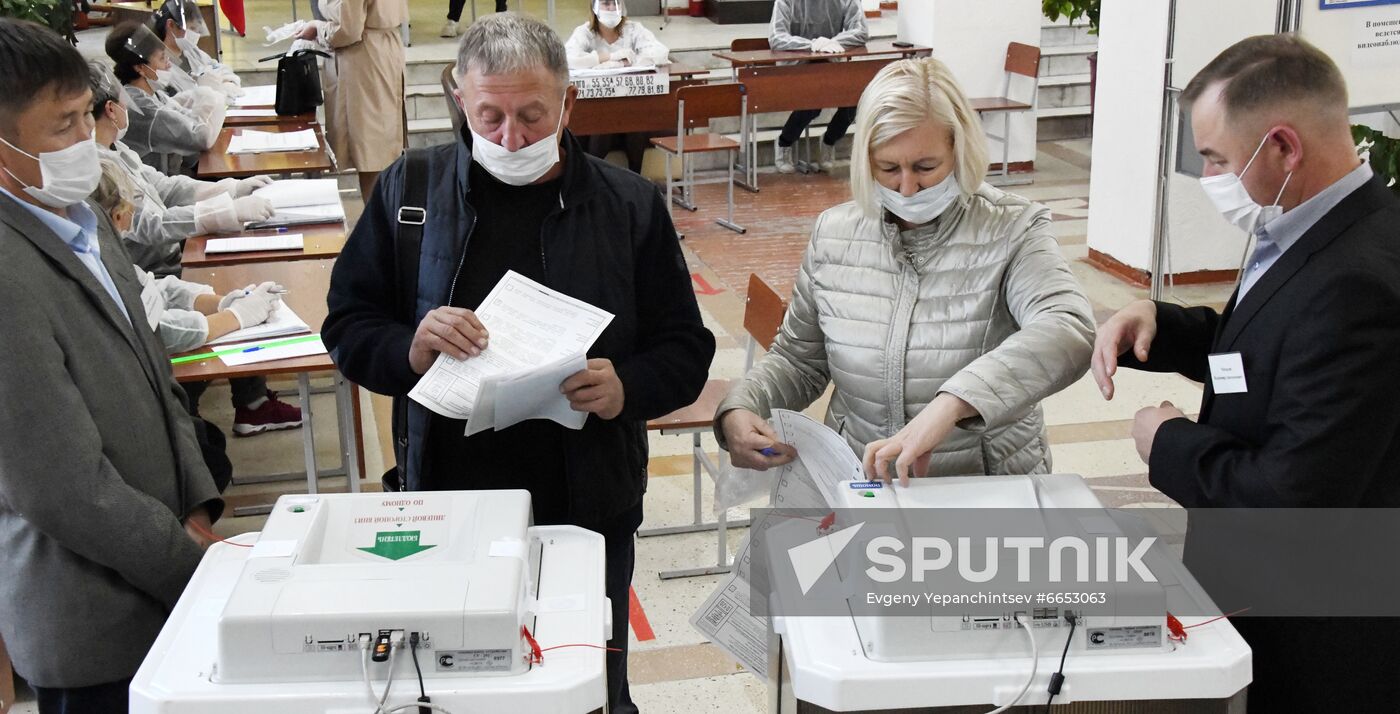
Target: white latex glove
(623,55)
(247,186)
(234,296)
(256,306)
(828,46)
(252,208)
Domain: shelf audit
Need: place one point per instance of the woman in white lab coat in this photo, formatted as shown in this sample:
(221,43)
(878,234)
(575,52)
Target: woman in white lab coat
(608,40)
(168,133)
(180,26)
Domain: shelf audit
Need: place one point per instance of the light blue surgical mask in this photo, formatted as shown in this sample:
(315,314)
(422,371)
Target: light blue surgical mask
(924,206)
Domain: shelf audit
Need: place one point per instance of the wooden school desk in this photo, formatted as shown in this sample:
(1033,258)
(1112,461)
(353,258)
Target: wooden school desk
(217,163)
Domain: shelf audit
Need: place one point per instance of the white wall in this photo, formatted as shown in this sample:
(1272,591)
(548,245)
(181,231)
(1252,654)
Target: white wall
(971,38)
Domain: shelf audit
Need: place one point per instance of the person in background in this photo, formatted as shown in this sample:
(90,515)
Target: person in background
(169,209)
(934,375)
(167,133)
(179,24)
(106,504)
(518,192)
(827,26)
(363,83)
(609,40)
(453,27)
(1312,330)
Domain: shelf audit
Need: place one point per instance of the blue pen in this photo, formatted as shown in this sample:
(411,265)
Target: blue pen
(254,348)
(769,451)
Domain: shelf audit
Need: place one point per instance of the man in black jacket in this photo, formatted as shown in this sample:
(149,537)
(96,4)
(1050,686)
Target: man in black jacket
(1300,380)
(519,193)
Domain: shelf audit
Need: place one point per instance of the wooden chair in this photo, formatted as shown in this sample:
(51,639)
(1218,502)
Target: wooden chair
(750,44)
(763,316)
(695,107)
(449,91)
(1023,61)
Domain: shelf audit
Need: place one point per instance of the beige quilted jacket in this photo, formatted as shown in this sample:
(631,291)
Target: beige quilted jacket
(980,304)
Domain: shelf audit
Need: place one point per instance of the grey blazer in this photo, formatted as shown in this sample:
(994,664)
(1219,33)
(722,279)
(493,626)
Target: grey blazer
(98,464)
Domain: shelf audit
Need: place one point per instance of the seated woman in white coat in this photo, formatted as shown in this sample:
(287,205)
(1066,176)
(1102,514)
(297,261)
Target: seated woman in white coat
(179,24)
(168,133)
(187,315)
(609,40)
(169,209)
(940,308)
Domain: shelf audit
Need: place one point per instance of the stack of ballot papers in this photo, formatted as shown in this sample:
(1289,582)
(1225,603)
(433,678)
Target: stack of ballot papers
(280,323)
(244,244)
(250,113)
(259,96)
(253,141)
(301,201)
(538,339)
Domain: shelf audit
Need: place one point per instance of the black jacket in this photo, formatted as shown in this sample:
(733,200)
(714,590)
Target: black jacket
(611,243)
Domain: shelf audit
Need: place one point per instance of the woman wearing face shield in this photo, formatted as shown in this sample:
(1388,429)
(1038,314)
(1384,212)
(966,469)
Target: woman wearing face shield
(168,133)
(168,209)
(610,40)
(940,307)
(179,25)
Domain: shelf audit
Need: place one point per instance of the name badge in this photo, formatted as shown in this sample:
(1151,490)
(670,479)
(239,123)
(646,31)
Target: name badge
(1227,373)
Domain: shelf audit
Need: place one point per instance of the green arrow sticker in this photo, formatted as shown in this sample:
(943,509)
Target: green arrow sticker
(396,545)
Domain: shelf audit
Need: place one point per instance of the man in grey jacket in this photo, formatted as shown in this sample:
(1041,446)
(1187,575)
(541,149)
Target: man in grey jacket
(827,26)
(103,493)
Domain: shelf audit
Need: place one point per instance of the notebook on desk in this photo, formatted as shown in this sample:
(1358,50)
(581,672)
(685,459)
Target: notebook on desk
(301,202)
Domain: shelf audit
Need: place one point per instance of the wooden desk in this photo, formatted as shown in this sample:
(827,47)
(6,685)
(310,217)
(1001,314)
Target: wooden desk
(262,122)
(217,163)
(319,240)
(307,282)
(757,58)
(620,115)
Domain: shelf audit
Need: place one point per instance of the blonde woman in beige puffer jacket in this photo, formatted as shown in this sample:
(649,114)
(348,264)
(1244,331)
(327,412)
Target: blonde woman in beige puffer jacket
(940,307)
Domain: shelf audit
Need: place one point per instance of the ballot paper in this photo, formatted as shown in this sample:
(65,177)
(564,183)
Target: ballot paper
(538,337)
(823,461)
(250,113)
(256,351)
(283,321)
(244,244)
(262,95)
(301,201)
(253,141)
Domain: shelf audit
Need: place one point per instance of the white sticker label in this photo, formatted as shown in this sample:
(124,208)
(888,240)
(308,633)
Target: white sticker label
(473,660)
(1227,373)
(273,549)
(1107,638)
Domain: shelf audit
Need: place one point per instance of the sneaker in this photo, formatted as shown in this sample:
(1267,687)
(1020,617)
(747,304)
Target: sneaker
(450,29)
(272,415)
(828,157)
(783,160)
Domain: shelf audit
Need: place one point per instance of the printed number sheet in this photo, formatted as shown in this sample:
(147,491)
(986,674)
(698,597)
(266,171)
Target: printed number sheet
(538,338)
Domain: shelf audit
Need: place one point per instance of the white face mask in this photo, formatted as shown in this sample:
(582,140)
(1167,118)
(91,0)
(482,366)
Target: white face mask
(69,175)
(610,19)
(1230,197)
(124,126)
(923,206)
(517,168)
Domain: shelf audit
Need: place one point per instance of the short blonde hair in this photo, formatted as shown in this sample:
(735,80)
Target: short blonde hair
(114,187)
(904,95)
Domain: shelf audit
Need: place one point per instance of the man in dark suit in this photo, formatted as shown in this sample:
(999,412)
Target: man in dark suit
(104,495)
(1301,385)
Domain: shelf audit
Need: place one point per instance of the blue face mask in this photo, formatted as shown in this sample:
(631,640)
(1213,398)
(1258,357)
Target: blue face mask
(924,206)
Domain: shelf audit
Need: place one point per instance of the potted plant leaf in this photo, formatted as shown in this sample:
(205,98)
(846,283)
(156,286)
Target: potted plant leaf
(55,14)
(1383,152)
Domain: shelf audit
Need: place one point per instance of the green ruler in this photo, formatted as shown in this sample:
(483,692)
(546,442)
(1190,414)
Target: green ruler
(241,350)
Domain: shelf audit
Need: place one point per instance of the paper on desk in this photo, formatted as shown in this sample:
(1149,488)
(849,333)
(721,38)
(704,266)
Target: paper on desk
(532,328)
(291,193)
(810,481)
(252,141)
(261,95)
(249,113)
(243,244)
(282,322)
(611,71)
(300,349)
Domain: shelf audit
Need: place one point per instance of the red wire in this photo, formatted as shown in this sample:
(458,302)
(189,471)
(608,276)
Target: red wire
(205,532)
(1213,619)
(599,647)
(537,654)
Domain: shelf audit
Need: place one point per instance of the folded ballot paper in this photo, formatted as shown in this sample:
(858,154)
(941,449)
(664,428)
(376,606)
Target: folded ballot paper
(301,201)
(538,339)
(253,141)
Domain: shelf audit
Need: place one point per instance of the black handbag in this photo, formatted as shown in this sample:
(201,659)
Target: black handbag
(299,83)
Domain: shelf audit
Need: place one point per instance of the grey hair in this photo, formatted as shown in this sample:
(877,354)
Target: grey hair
(507,42)
(105,87)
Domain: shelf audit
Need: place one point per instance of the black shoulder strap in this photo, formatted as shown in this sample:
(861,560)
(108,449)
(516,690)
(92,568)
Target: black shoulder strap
(413,213)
